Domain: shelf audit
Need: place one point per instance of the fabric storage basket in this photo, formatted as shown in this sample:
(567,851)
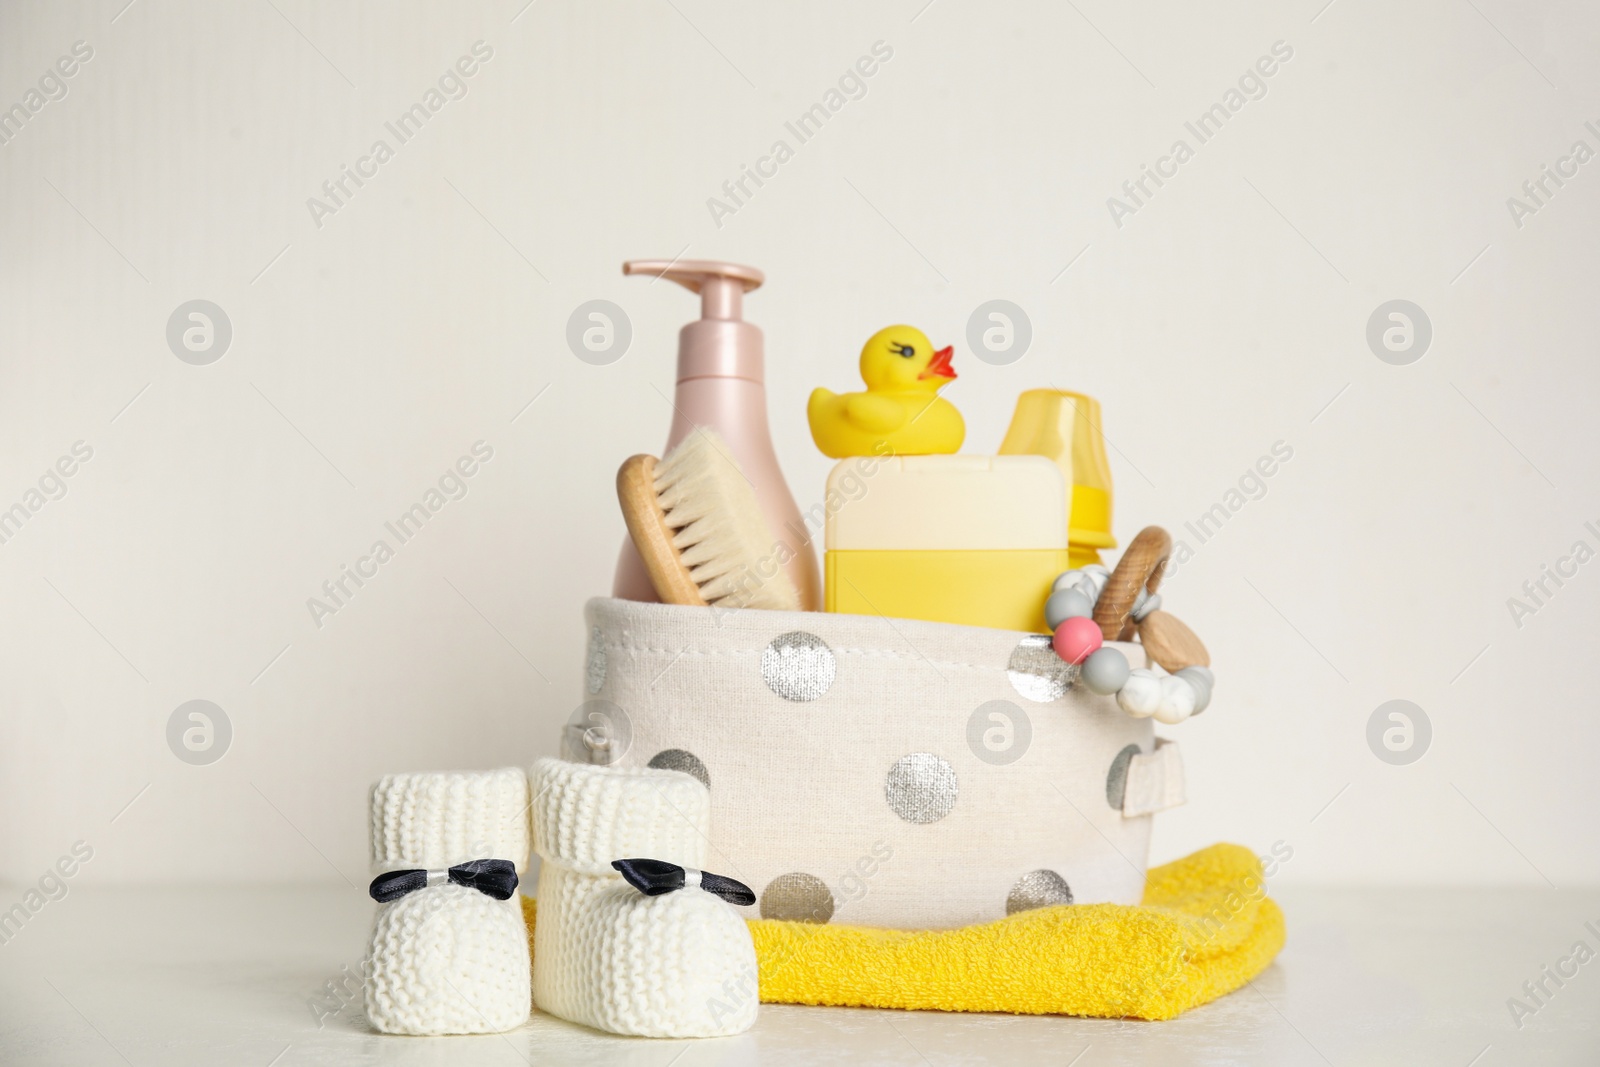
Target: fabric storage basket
(881,772)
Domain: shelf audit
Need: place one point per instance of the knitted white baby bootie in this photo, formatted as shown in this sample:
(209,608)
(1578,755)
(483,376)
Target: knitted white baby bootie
(449,947)
(605,954)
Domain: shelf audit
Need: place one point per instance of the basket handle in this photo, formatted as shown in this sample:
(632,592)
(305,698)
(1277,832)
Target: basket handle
(1155,781)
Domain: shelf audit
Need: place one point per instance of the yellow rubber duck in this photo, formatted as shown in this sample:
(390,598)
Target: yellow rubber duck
(901,412)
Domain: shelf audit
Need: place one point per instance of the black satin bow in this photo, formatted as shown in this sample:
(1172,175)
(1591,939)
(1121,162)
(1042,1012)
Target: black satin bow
(497,878)
(655,877)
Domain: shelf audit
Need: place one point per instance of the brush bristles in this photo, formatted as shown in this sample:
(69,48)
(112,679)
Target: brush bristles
(718,528)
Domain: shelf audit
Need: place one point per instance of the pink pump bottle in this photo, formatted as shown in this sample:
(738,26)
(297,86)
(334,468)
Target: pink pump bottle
(721,386)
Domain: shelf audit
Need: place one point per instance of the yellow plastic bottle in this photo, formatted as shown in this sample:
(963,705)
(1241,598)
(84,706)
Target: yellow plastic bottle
(1066,427)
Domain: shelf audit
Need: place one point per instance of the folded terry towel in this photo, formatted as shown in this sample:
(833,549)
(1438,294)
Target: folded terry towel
(1205,928)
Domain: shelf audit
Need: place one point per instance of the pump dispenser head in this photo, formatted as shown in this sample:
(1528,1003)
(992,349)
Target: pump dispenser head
(720,344)
(721,285)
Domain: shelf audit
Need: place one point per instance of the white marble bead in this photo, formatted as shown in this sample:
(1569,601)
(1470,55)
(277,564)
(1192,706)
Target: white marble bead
(1093,581)
(1177,700)
(1140,695)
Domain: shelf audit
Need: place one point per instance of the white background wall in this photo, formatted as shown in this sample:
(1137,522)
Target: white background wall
(368,354)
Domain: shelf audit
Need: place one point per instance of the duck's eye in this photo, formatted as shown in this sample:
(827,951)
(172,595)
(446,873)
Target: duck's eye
(904,351)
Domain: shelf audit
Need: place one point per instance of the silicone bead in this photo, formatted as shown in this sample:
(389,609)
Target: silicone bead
(1094,580)
(1089,581)
(1105,671)
(1140,695)
(1066,604)
(1075,638)
(1144,605)
(1177,700)
(1066,580)
(1201,679)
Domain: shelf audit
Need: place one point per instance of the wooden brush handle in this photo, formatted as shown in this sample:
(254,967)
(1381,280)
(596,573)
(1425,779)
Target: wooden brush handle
(1140,567)
(647,525)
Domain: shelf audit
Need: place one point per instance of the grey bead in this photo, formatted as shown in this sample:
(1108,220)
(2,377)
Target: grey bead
(1200,680)
(1144,605)
(1105,671)
(1066,580)
(1066,604)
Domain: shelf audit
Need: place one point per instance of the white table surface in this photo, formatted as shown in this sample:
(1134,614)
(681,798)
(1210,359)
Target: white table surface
(1369,977)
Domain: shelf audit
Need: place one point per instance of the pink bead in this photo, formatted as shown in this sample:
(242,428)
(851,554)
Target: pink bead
(1075,638)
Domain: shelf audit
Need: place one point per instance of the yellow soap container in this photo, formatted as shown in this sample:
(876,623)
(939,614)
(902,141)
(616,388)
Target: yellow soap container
(972,540)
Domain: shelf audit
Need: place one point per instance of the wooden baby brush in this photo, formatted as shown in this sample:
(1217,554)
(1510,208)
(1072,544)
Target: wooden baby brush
(695,520)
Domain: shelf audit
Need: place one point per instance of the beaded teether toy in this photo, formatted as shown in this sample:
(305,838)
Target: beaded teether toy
(1088,607)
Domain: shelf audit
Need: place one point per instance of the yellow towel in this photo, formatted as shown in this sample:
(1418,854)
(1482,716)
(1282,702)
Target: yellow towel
(1205,928)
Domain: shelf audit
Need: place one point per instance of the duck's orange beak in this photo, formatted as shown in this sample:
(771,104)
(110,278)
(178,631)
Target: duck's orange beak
(939,365)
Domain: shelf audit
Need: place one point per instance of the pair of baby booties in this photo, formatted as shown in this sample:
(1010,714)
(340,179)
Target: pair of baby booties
(449,958)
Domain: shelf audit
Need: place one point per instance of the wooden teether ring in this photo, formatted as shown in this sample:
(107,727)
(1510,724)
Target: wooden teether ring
(1140,567)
